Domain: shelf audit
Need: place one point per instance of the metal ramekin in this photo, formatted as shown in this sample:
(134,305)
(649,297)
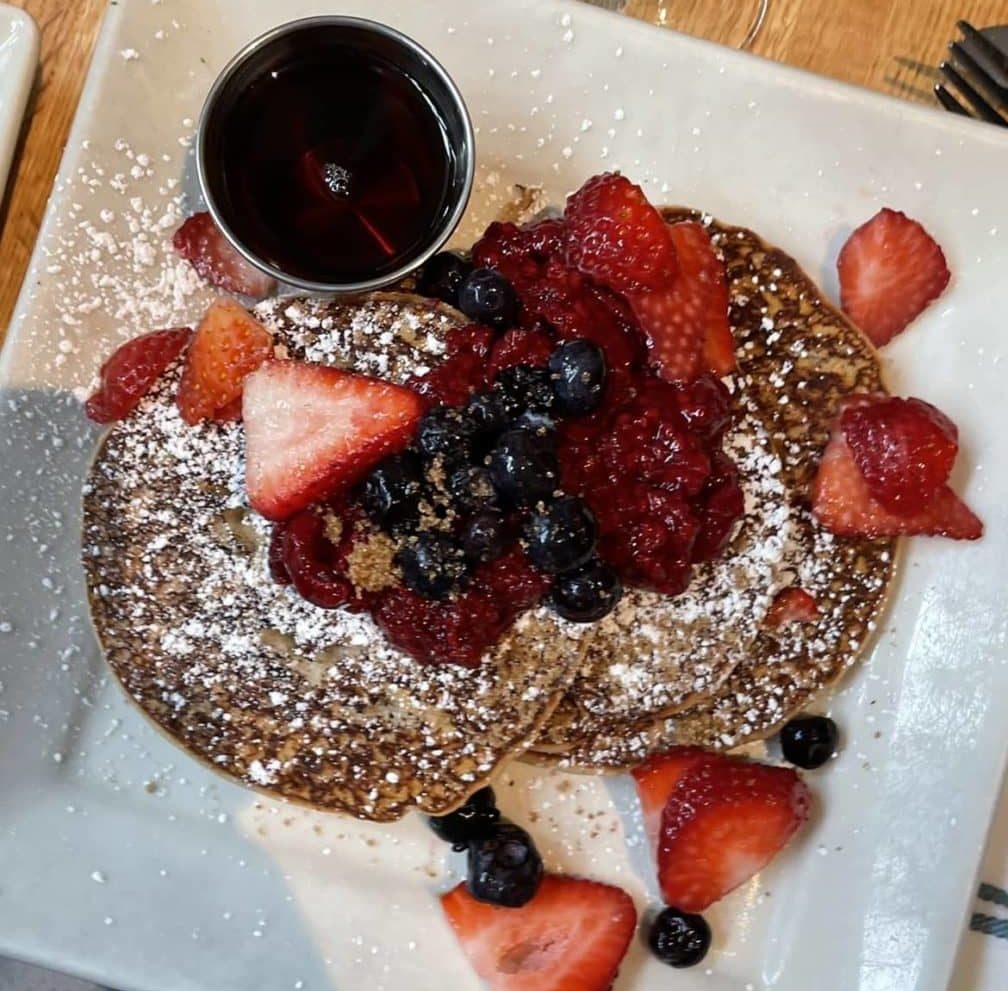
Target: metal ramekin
(362,34)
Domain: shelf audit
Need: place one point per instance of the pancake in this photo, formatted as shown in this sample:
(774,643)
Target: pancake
(654,654)
(311,704)
(798,357)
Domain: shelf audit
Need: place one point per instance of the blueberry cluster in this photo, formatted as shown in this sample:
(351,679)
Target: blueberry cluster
(504,866)
(485,474)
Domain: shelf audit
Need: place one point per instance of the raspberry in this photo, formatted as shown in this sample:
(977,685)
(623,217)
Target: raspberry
(647,443)
(904,448)
(276,555)
(574,307)
(665,495)
(512,579)
(647,535)
(463,370)
(519,347)
(460,631)
(516,251)
(453,632)
(705,405)
(317,567)
(723,504)
(546,238)
(126,377)
(615,235)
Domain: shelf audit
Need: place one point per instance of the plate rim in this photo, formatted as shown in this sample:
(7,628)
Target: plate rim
(771,73)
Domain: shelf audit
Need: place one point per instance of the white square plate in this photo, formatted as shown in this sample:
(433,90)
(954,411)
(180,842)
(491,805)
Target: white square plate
(18,58)
(123,860)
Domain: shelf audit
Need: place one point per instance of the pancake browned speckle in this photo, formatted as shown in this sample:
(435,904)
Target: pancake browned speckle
(798,357)
(311,704)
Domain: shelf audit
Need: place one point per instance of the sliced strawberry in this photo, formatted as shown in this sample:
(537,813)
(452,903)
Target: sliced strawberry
(200,242)
(904,448)
(572,936)
(687,324)
(843,504)
(674,333)
(229,414)
(229,344)
(792,605)
(615,235)
(655,780)
(131,370)
(311,430)
(890,270)
(703,287)
(725,820)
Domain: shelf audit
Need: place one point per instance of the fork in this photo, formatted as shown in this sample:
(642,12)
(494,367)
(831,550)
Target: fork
(975,76)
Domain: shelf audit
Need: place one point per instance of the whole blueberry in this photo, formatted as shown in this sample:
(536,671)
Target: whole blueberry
(474,820)
(471,488)
(587,594)
(442,275)
(488,298)
(488,411)
(526,388)
(446,431)
(505,867)
(485,535)
(391,494)
(809,741)
(679,939)
(432,564)
(524,468)
(578,373)
(562,537)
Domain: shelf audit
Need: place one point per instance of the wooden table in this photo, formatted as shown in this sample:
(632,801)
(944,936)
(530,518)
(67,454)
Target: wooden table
(884,45)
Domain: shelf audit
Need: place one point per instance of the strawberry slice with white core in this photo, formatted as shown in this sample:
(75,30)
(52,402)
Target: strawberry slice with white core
(200,242)
(724,822)
(891,270)
(311,431)
(657,777)
(842,501)
(572,936)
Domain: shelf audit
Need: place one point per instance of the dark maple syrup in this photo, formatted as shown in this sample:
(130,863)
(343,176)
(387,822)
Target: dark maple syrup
(336,166)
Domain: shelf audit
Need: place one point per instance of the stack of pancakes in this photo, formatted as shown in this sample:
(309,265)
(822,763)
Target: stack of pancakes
(316,706)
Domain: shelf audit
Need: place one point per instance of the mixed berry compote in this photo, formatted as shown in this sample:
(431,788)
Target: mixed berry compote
(563,454)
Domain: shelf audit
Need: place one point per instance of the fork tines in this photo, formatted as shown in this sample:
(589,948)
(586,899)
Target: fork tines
(975,80)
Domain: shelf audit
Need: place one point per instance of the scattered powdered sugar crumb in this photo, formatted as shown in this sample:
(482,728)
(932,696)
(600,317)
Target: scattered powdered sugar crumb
(111,269)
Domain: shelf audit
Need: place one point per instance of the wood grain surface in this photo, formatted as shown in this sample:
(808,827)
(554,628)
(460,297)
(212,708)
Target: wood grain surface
(884,45)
